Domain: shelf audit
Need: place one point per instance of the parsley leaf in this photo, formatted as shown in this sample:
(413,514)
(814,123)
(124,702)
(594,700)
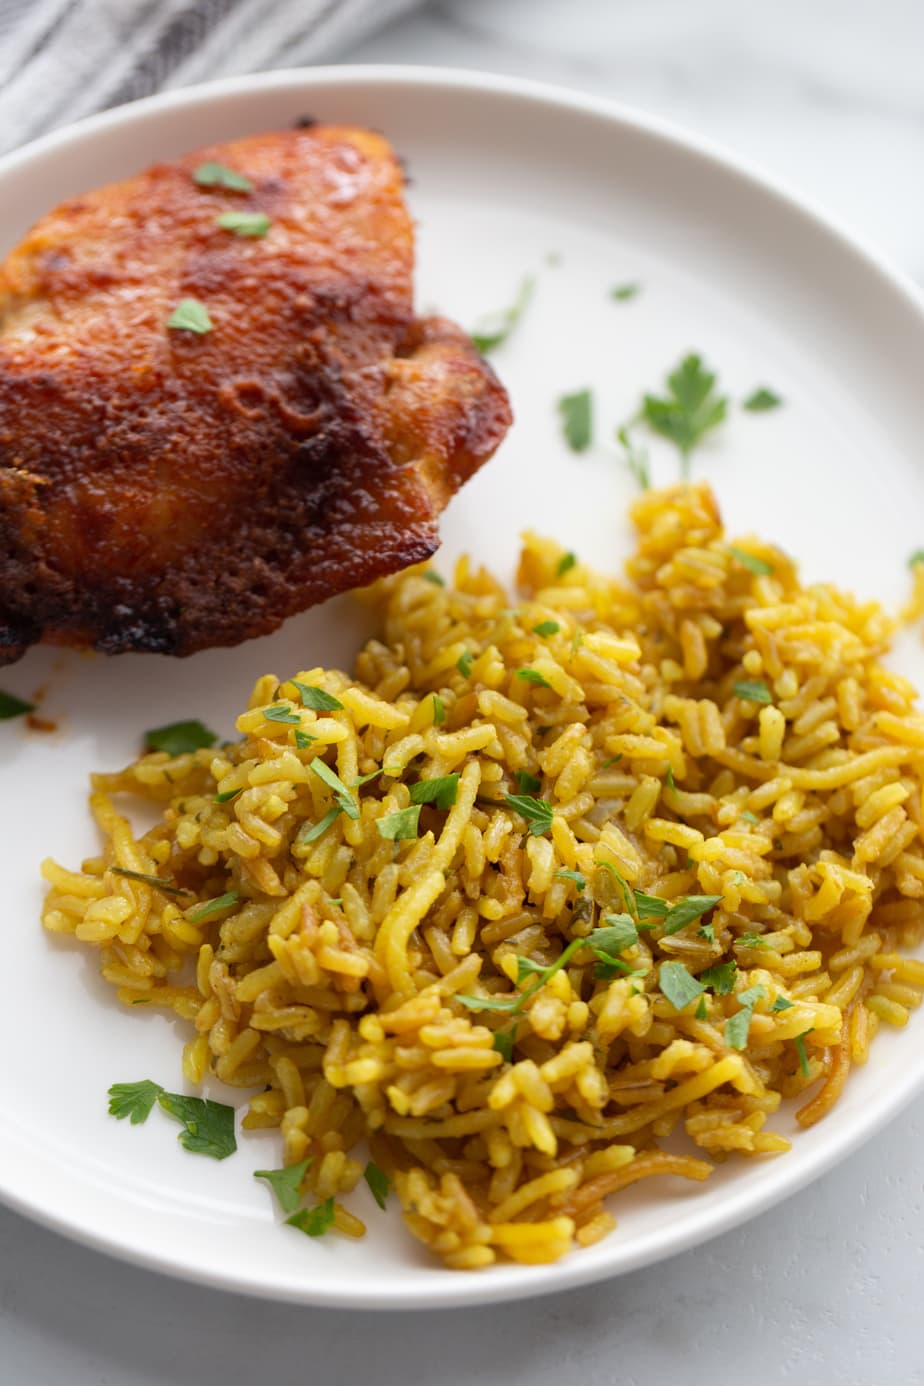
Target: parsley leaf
(316,698)
(162,883)
(799,1042)
(314,1222)
(577,419)
(441,792)
(916,557)
(636,459)
(311,834)
(179,737)
(761,400)
(749,817)
(753,691)
(720,977)
(752,941)
(439,711)
(702,1010)
(503,1043)
(533,676)
(280,713)
(545,628)
(11,706)
(286,1183)
(690,409)
(623,292)
(495,330)
(751,561)
(527,784)
(537,812)
(738,1025)
(434,577)
(782,1004)
(379,1183)
(190,315)
(400,826)
(650,906)
(464,663)
(619,934)
(686,910)
(333,781)
(214,175)
(208,1127)
(525,966)
(221,902)
(565,564)
(707,931)
(227,795)
(678,985)
(303,740)
(579,881)
(255,224)
(133,1100)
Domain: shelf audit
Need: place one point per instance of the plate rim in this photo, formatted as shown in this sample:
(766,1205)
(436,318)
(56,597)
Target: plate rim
(740,1204)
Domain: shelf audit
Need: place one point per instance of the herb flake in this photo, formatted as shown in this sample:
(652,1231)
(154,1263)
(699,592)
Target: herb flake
(179,738)
(378,1182)
(576,413)
(252,224)
(751,561)
(753,691)
(440,792)
(400,826)
(678,985)
(208,1127)
(190,315)
(318,699)
(761,400)
(314,1222)
(133,1100)
(212,174)
(494,330)
(690,409)
(537,812)
(11,706)
(286,1183)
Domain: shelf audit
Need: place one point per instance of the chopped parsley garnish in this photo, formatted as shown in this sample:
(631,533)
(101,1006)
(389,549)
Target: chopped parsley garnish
(525,967)
(636,459)
(533,676)
(214,175)
(379,1183)
(316,698)
(281,713)
(434,577)
(162,883)
(178,738)
(678,985)
(738,1025)
(313,833)
(464,663)
(613,760)
(689,411)
(546,628)
(576,877)
(208,1127)
(495,330)
(190,315)
(503,1043)
(720,977)
(618,934)
(400,826)
(333,781)
(627,894)
(577,419)
(707,931)
(702,1010)
(623,292)
(439,710)
(527,784)
(221,902)
(255,224)
(752,941)
(303,740)
(133,1100)
(799,1042)
(669,778)
(782,1004)
(314,1222)
(749,817)
(11,706)
(537,812)
(751,561)
(686,910)
(650,906)
(565,564)
(286,1183)
(753,691)
(761,400)
(441,792)
(916,557)
(227,795)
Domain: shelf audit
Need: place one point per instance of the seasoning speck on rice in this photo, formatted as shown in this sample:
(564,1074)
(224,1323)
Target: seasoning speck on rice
(540,887)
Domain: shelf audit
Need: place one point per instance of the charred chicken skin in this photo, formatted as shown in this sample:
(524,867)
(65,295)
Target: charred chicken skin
(167,487)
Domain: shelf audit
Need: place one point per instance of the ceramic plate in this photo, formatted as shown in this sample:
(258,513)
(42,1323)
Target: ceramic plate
(507,180)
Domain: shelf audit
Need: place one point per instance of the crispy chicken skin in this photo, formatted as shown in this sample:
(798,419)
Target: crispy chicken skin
(164,490)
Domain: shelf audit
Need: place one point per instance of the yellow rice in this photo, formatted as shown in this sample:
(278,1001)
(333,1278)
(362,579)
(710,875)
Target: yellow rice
(331,985)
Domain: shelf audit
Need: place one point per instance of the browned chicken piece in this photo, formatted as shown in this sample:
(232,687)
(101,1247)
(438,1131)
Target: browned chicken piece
(168,489)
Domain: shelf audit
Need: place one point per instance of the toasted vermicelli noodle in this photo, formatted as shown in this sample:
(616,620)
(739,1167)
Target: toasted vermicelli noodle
(709,729)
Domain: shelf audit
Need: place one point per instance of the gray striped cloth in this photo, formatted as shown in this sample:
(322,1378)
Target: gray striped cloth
(63,59)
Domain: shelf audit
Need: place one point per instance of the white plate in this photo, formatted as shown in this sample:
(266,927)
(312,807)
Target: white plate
(505,176)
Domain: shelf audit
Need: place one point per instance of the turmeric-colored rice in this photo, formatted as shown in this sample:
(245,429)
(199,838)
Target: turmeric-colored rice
(331,983)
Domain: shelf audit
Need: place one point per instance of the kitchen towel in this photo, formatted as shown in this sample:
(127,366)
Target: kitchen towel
(63,59)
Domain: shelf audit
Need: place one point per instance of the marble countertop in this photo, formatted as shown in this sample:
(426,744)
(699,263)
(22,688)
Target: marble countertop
(827,95)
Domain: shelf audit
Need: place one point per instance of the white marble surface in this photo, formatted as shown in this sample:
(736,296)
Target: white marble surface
(828,95)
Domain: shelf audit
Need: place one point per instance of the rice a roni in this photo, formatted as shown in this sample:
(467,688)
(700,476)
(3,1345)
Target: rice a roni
(698,792)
